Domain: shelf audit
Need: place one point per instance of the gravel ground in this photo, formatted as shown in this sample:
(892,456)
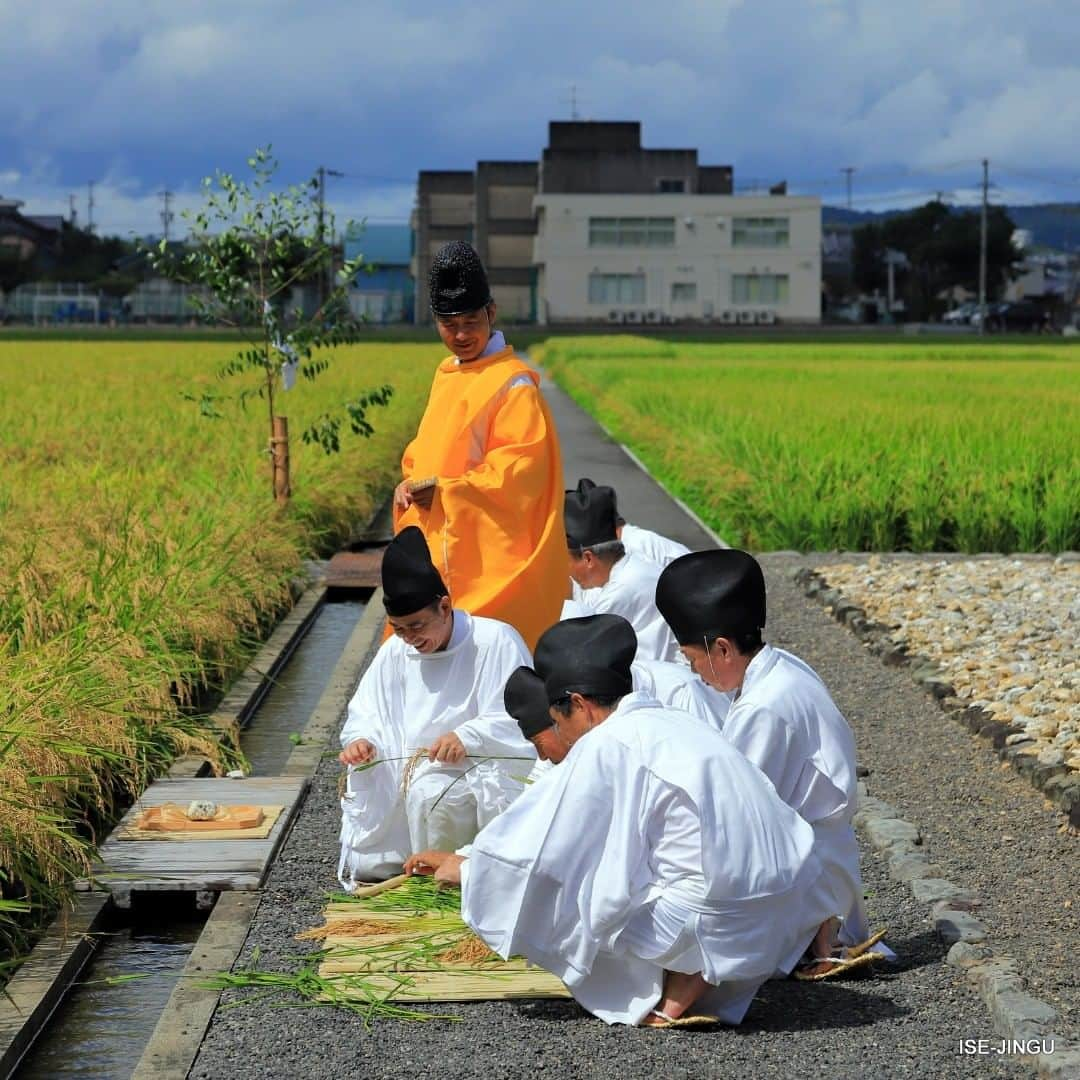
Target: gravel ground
(984,826)
(906,1022)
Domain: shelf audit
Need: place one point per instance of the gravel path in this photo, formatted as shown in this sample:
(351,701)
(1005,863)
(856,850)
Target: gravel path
(905,1023)
(984,826)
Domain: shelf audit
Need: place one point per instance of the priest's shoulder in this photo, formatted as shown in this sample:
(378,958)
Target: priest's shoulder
(488,631)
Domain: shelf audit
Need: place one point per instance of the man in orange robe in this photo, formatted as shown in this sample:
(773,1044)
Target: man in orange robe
(483,477)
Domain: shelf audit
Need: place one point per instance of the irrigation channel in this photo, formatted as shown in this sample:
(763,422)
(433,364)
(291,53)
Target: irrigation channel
(105,1020)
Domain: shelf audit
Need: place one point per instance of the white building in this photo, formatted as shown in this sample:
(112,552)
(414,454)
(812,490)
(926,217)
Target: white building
(659,257)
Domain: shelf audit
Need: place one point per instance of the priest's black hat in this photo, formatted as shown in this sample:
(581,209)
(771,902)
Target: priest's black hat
(590,656)
(526,701)
(409,578)
(590,515)
(458,282)
(711,594)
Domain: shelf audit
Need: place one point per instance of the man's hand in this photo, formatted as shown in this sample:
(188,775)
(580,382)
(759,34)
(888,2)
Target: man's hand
(449,872)
(426,862)
(448,749)
(358,752)
(402,496)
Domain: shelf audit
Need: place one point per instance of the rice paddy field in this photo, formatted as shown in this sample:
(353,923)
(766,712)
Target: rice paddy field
(864,447)
(141,557)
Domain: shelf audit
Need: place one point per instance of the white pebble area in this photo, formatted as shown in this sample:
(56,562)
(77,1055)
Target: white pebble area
(1004,632)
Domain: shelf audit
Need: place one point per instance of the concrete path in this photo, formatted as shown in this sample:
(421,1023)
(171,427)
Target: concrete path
(589,451)
(908,1021)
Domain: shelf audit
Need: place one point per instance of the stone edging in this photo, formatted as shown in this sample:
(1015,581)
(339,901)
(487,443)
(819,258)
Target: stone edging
(1055,780)
(994,976)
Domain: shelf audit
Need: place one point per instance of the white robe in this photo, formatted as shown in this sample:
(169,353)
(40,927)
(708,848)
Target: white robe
(785,722)
(650,545)
(653,845)
(406,700)
(630,591)
(678,687)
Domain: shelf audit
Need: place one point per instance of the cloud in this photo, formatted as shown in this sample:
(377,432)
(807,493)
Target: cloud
(145,94)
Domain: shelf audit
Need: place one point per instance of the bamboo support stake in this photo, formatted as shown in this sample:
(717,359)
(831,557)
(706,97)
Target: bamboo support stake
(279,456)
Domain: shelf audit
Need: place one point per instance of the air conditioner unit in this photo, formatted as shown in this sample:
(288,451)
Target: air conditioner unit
(766,318)
(746,318)
(633,317)
(728,317)
(614,316)
(688,221)
(721,222)
(654,316)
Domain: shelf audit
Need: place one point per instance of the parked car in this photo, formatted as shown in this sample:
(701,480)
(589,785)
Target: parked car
(961,314)
(1015,315)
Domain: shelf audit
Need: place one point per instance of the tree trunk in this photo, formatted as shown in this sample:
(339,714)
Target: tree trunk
(279,458)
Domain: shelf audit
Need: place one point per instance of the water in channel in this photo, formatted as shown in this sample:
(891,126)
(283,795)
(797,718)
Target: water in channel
(104,1023)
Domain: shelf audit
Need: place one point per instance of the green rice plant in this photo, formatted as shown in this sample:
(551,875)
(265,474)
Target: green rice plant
(139,568)
(953,447)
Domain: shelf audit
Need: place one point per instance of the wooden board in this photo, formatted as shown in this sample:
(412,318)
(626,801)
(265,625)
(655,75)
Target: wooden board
(268,814)
(218,865)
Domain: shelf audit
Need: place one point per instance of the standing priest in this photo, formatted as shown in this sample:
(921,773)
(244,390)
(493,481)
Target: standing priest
(483,477)
(433,694)
(782,718)
(655,871)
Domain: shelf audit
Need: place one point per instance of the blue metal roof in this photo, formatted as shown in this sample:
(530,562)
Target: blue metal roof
(381,245)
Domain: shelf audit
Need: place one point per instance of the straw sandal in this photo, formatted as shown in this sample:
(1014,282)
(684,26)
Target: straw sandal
(819,968)
(865,946)
(681,1021)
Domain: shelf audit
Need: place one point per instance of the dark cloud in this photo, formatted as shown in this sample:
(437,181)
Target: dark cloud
(141,96)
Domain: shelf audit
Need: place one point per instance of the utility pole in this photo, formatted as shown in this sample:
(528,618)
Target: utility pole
(72,212)
(325,276)
(166,214)
(90,206)
(847,170)
(982,248)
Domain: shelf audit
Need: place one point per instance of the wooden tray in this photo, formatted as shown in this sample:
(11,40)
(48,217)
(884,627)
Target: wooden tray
(171,817)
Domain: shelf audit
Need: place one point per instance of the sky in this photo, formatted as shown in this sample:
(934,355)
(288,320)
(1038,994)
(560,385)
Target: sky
(142,96)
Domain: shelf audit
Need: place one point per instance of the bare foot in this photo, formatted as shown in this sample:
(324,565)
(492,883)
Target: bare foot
(680,993)
(825,939)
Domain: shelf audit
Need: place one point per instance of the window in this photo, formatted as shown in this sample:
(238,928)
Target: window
(671,186)
(759,288)
(761,232)
(632,232)
(616,288)
(683,292)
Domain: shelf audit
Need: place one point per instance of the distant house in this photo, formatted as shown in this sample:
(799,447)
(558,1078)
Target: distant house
(383,290)
(28,236)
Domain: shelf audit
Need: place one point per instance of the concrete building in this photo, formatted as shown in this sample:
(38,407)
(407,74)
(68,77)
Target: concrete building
(657,258)
(383,291)
(602,228)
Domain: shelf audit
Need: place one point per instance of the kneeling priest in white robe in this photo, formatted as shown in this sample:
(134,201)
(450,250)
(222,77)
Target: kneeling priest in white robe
(609,580)
(782,719)
(433,694)
(655,870)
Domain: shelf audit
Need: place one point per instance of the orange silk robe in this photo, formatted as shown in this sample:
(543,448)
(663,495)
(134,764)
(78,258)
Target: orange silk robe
(495,527)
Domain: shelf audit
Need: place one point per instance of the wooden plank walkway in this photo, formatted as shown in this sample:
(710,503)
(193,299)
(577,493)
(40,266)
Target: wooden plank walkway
(201,866)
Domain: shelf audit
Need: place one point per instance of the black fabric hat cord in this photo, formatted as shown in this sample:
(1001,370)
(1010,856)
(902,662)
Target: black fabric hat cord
(590,656)
(409,578)
(526,701)
(458,282)
(590,515)
(711,594)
